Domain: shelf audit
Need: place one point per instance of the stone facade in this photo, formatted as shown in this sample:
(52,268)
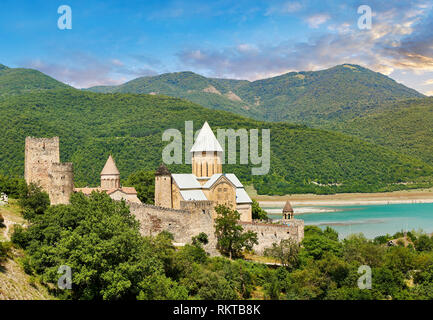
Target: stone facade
(195,217)
(268,234)
(42,166)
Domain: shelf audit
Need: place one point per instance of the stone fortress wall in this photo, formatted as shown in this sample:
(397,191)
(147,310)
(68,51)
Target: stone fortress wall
(196,216)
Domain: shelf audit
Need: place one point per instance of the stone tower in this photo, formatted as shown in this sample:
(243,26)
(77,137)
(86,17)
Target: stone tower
(40,153)
(288,212)
(42,166)
(206,153)
(163,187)
(62,182)
(110,175)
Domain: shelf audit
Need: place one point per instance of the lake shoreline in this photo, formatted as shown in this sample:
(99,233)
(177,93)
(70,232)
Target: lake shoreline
(348,199)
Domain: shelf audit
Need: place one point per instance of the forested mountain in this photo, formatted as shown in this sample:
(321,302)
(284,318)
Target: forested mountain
(130,126)
(405,126)
(20,80)
(313,98)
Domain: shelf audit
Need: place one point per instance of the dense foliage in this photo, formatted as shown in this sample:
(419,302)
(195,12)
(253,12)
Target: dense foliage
(257,212)
(405,126)
(144,183)
(307,97)
(33,201)
(130,126)
(99,239)
(13,187)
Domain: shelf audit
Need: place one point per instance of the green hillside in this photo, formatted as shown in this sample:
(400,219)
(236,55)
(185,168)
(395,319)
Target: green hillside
(92,125)
(212,93)
(404,126)
(20,80)
(314,98)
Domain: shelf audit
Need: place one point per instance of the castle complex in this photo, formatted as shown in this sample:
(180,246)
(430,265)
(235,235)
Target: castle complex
(184,203)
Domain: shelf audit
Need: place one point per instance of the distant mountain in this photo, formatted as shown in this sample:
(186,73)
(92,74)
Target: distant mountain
(405,126)
(313,97)
(20,80)
(212,93)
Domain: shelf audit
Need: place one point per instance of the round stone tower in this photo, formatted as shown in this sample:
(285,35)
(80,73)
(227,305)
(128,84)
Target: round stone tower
(62,182)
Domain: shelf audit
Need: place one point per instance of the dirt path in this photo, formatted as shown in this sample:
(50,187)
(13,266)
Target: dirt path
(8,224)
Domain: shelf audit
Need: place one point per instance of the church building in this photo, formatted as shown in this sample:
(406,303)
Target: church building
(110,183)
(206,182)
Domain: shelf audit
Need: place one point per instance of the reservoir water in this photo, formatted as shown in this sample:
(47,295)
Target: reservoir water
(371,220)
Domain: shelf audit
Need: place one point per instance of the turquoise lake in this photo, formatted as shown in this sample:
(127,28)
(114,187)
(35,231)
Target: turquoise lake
(371,220)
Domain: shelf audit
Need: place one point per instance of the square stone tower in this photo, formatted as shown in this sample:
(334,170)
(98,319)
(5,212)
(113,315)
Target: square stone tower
(42,166)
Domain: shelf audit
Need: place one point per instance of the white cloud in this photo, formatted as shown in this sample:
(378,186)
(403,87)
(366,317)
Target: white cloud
(316,20)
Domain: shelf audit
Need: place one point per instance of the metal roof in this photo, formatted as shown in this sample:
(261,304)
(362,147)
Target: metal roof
(230,176)
(192,195)
(242,196)
(206,141)
(186,181)
(212,180)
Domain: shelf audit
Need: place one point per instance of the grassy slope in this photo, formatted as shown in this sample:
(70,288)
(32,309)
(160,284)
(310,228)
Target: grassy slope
(15,284)
(129,126)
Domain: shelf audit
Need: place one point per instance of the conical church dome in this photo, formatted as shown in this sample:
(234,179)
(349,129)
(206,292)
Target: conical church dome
(110,167)
(206,141)
(287,207)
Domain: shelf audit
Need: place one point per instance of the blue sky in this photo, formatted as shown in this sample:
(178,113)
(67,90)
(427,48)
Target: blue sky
(115,41)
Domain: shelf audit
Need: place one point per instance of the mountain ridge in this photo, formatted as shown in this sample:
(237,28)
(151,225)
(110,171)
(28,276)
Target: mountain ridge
(300,97)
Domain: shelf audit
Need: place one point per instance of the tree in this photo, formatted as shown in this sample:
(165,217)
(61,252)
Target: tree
(33,201)
(231,239)
(287,252)
(100,241)
(424,243)
(200,239)
(257,212)
(144,183)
